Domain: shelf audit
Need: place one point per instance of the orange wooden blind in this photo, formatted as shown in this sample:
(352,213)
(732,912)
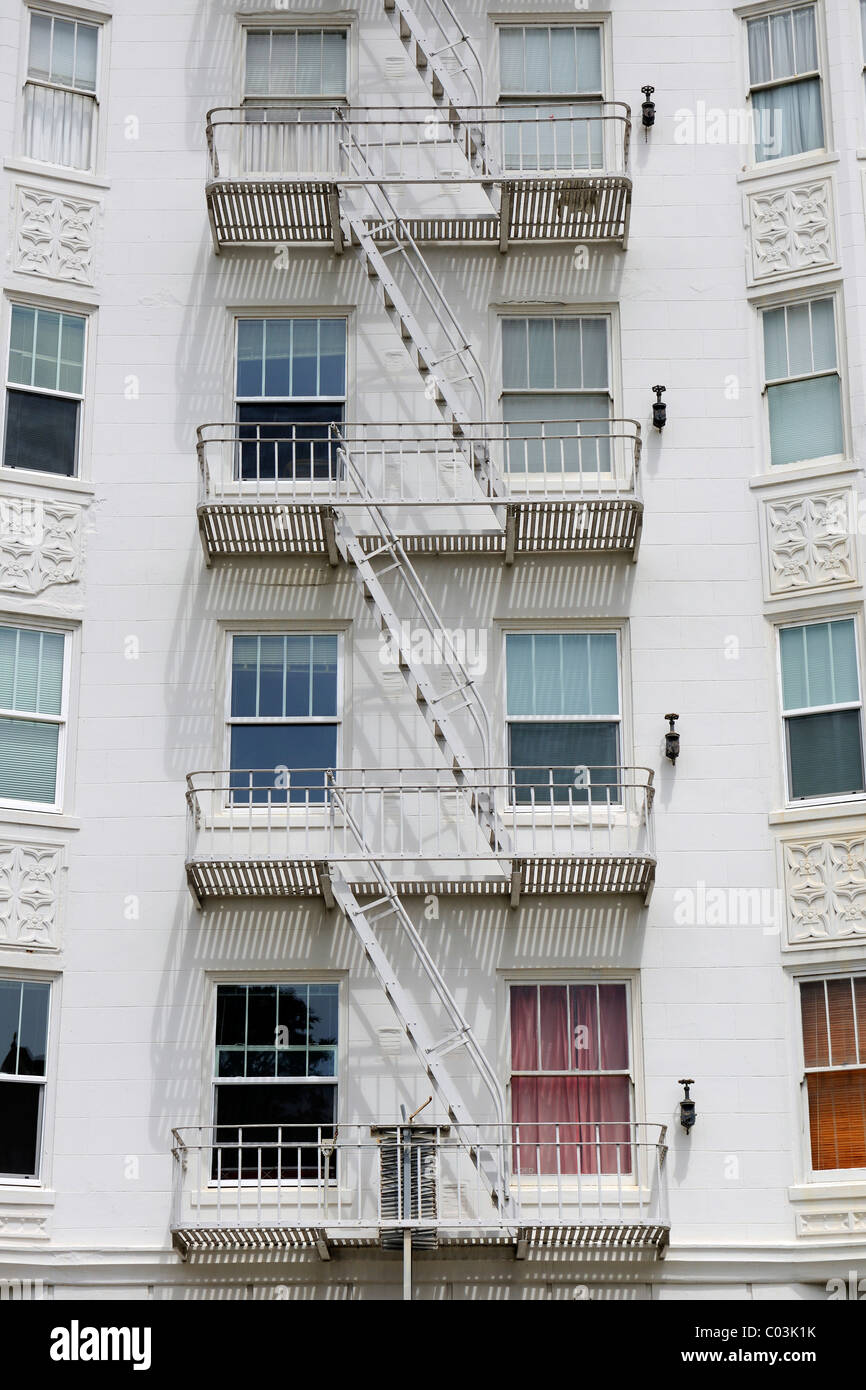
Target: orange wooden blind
(837,1118)
(833,1015)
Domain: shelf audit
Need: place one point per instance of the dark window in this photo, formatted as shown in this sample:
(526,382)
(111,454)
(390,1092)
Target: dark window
(23,1038)
(41,432)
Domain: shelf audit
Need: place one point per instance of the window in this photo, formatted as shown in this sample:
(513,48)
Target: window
(822,709)
(60,93)
(571,1083)
(563,716)
(785,83)
(804,389)
(296,63)
(44,390)
(284,715)
(275,1064)
(834,1047)
(290,388)
(32,716)
(561,63)
(23,1047)
(556,398)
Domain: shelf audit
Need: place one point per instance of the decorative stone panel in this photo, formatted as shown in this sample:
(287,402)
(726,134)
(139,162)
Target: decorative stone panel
(841,1220)
(30,886)
(40,544)
(791,230)
(825,890)
(810,541)
(55,235)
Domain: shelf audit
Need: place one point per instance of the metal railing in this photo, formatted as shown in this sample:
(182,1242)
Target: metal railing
(415,464)
(417,145)
(572,1172)
(417,817)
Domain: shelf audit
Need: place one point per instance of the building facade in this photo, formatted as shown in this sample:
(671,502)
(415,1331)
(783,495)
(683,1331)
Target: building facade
(419,757)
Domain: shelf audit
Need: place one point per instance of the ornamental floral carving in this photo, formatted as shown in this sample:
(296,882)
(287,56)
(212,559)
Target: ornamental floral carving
(791,230)
(55,236)
(825,889)
(40,544)
(810,542)
(30,894)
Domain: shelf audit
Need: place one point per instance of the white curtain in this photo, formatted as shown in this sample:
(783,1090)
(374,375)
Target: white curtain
(788,119)
(59,126)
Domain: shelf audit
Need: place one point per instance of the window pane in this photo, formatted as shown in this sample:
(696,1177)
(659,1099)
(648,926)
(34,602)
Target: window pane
(588,59)
(538,748)
(537,50)
(34,1029)
(332,360)
(46,358)
(245,659)
(613,1021)
(309,62)
(542,372)
(298,663)
(283,75)
(28,760)
(10,1012)
(305,358)
(813,1011)
(584,1013)
(306,749)
(775,345)
(272,669)
(262,1016)
(805,420)
(825,754)
(843,1042)
(231,1015)
(799,339)
(524,1028)
(40,46)
(837,1119)
(250,357)
(20,1106)
(568,370)
(257,63)
(519,673)
(71,373)
(41,433)
(515,370)
(788,119)
(819,664)
(278,354)
(21,341)
(324,676)
(334,48)
(63,52)
(563,66)
(594,354)
(323,1015)
(782,44)
(31,670)
(85,57)
(758,31)
(556,1051)
(51,674)
(823,334)
(805,39)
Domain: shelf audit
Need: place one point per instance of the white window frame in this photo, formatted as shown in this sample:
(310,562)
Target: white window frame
(792,301)
(298,809)
(37,1179)
(821,975)
(550,22)
(60,720)
(295,23)
(42,307)
(785,715)
(541,482)
(76,15)
(764,11)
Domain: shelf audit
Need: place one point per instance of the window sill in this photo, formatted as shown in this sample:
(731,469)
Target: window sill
(801,163)
(51,482)
(819,811)
(820,1190)
(785,473)
(25,1192)
(52,820)
(55,172)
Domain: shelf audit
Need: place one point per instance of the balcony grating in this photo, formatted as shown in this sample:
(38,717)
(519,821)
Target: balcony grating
(592,875)
(597,525)
(633,1236)
(248,212)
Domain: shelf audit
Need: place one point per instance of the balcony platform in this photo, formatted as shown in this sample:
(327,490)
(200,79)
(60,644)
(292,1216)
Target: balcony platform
(594,526)
(533,210)
(590,875)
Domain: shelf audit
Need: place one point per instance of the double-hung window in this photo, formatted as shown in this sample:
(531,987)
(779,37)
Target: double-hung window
(284,719)
(563,715)
(785,83)
(60,93)
(556,396)
(290,389)
(803,383)
(822,709)
(23,1051)
(32,716)
(571,1078)
(292,64)
(44,390)
(833,1013)
(275,1078)
(550,84)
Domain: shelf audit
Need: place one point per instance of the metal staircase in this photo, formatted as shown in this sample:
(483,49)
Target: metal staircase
(430,53)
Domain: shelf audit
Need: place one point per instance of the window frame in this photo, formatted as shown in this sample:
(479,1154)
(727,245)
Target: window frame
(61,721)
(43,1125)
(79,14)
(293,23)
(789,300)
(540,481)
(631,978)
(268,808)
(821,974)
(554,630)
(37,306)
(814,620)
(259,977)
(765,11)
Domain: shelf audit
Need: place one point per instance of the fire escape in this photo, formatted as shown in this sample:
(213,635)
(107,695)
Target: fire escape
(370,839)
